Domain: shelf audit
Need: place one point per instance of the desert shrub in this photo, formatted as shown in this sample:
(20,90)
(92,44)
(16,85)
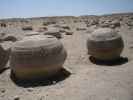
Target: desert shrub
(10,38)
(48,23)
(65,27)
(7,37)
(42,29)
(80,28)
(69,32)
(32,33)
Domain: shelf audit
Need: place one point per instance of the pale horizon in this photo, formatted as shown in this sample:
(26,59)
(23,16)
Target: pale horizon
(44,8)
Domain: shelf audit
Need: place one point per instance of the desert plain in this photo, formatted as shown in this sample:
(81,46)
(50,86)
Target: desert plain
(80,78)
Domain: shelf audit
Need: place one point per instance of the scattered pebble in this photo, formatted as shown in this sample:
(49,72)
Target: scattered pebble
(16,98)
(42,98)
(30,89)
(2,90)
(54,82)
(69,33)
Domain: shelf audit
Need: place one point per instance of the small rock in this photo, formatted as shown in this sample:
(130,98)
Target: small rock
(42,98)
(2,96)
(54,32)
(69,33)
(91,29)
(30,89)
(54,82)
(16,97)
(2,90)
(62,30)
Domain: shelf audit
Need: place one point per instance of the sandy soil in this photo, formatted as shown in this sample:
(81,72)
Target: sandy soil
(80,79)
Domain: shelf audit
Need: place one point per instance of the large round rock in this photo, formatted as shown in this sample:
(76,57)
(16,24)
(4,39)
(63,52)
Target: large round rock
(105,44)
(37,56)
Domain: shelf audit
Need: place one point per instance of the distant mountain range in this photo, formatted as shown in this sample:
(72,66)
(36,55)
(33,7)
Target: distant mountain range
(56,17)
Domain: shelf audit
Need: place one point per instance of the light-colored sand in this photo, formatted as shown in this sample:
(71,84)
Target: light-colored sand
(87,81)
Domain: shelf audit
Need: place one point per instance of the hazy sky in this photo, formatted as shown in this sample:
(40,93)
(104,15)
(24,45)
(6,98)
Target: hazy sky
(33,8)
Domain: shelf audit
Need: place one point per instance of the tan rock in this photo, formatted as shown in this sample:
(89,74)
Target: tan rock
(37,56)
(105,44)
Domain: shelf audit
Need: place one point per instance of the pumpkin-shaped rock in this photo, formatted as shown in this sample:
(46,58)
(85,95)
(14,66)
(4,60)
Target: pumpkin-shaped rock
(37,56)
(105,44)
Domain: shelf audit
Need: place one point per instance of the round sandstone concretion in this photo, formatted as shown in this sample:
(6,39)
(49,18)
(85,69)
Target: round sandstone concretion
(37,56)
(105,44)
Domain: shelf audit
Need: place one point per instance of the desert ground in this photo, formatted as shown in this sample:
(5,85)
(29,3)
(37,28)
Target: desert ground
(80,78)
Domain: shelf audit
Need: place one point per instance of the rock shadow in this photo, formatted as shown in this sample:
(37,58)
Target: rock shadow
(2,70)
(118,61)
(4,61)
(60,76)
